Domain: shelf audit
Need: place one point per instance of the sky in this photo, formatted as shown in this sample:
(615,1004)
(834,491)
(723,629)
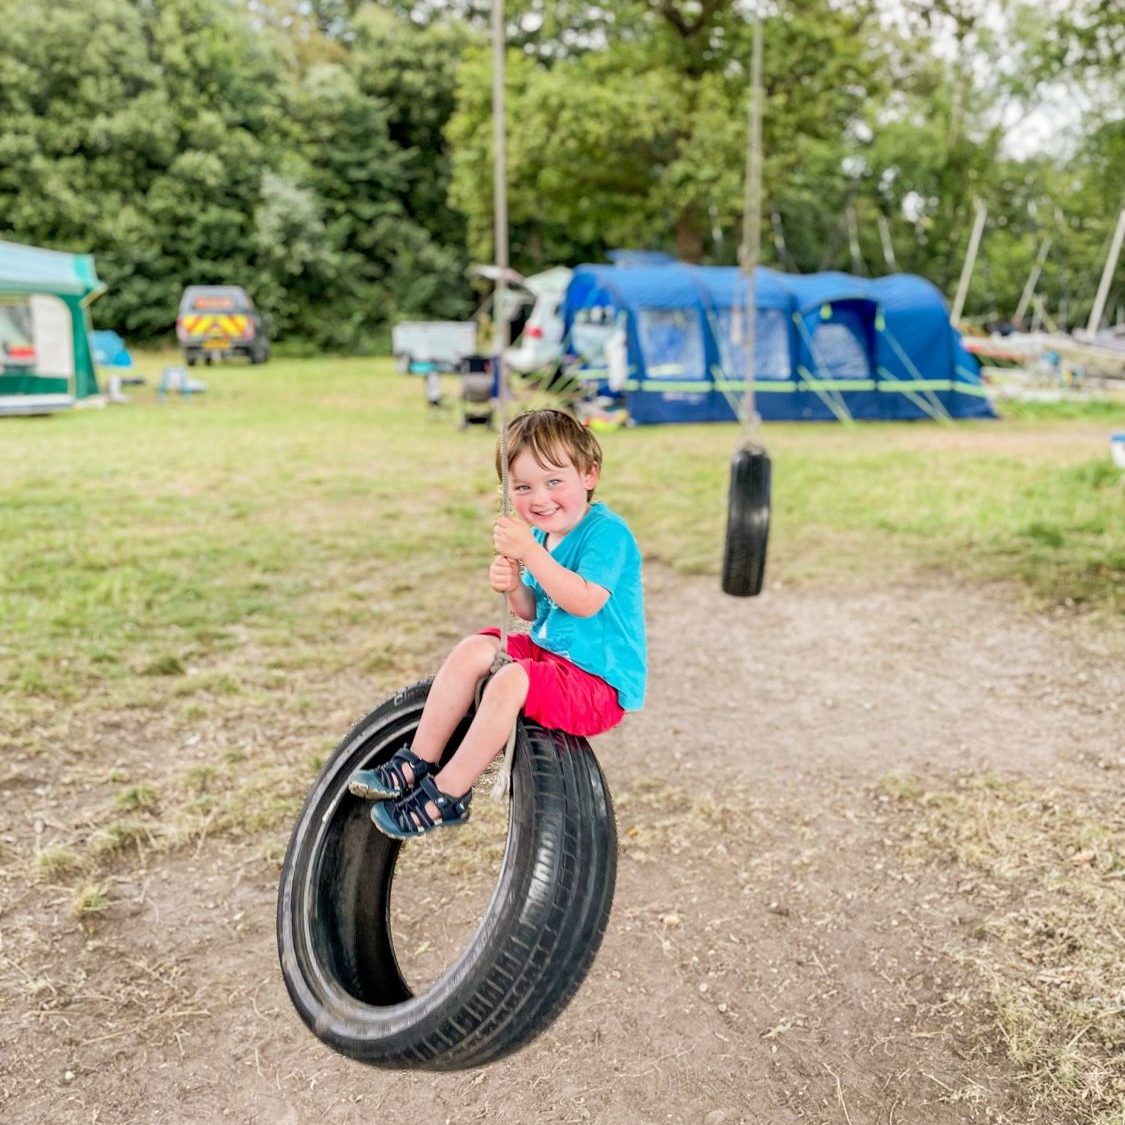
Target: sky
(1053,123)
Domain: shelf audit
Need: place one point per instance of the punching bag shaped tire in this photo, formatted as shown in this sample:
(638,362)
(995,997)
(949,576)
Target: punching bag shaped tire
(748,522)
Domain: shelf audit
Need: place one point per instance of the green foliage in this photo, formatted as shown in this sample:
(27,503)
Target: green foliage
(643,142)
(335,157)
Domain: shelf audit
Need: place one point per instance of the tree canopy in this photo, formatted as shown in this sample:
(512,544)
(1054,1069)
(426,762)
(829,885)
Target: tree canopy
(335,157)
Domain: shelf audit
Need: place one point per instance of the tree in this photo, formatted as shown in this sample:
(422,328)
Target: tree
(136,132)
(644,140)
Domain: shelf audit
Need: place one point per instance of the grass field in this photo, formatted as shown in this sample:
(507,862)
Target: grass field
(307,493)
(195,557)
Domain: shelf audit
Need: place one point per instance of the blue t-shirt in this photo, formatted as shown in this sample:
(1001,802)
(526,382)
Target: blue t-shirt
(611,643)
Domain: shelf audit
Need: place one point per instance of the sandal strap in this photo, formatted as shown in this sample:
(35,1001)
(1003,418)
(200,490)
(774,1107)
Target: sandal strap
(390,773)
(452,809)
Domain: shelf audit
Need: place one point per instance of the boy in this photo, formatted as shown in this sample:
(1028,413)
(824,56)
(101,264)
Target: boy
(569,566)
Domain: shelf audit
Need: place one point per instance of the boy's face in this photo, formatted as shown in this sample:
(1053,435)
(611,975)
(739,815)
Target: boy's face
(551,498)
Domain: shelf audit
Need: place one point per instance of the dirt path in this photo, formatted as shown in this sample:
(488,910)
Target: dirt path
(771,957)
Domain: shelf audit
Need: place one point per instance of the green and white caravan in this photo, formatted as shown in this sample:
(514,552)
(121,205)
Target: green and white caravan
(46,363)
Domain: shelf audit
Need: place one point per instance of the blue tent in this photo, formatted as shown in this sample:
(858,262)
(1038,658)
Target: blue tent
(826,346)
(110,349)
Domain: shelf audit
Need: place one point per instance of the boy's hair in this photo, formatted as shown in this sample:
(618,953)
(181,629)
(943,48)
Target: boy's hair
(551,436)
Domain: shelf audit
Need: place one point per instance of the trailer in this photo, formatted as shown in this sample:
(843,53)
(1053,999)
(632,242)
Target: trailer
(422,346)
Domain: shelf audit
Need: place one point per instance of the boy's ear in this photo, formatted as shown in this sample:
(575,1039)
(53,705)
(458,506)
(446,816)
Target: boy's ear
(590,479)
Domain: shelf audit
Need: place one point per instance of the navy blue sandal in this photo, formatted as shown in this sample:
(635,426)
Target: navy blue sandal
(387,782)
(407,818)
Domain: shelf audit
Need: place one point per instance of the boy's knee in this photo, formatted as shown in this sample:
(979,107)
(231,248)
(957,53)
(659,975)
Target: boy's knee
(509,683)
(476,652)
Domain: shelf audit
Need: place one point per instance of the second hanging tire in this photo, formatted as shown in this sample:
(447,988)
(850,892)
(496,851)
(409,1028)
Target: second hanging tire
(535,943)
(748,522)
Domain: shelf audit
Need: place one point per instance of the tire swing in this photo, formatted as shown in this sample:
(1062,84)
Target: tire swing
(748,522)
(534,945)
(748,503)
(549,909)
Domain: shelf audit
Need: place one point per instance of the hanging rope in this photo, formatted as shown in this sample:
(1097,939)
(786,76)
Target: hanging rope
(752,234)
(500,304)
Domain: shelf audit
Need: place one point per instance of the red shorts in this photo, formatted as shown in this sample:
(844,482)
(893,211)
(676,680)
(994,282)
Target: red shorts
(560,695)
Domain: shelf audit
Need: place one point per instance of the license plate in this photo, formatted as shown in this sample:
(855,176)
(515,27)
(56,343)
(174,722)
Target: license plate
(216,345)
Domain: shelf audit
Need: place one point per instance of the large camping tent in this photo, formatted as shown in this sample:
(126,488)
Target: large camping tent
(826,346)
(45,358)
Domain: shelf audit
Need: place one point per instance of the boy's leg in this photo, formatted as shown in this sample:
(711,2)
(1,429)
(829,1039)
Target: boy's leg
(447,703)
(451,694)
(488,733)
(485,739)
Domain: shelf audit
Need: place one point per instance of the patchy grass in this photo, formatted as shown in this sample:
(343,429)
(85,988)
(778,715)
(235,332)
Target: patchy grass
(55,862)
(92,899)
(1045,868)
(137,798)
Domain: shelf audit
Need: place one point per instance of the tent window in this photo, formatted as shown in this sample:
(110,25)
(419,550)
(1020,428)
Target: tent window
(771,343)
(591,329)
(838,351)
(671,343)
(17,341)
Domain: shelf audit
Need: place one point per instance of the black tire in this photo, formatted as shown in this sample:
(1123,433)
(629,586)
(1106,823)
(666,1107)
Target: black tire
(535,943)
(748,523)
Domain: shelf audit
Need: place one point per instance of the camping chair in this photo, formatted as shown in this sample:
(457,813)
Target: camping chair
(477,391)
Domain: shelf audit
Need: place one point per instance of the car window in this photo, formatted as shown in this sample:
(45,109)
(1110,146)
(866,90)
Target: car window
(217,301)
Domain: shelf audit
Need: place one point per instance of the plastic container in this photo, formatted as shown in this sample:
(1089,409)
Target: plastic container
(1117,448)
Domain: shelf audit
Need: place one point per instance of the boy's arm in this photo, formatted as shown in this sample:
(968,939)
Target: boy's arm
(521,601)
(567,589)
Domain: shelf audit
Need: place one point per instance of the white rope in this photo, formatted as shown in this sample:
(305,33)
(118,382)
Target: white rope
(752,233)
(500,304)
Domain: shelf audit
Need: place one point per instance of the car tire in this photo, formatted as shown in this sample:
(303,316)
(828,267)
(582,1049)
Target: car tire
(748,523)
(536,941)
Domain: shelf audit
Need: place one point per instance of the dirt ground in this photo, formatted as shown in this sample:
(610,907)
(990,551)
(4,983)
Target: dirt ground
(771,956)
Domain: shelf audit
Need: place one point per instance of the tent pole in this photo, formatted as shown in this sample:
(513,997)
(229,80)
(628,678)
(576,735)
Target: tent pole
(853,241)
(752,220)
(970,262)
(1033,278)
(1107,276)
(885,238)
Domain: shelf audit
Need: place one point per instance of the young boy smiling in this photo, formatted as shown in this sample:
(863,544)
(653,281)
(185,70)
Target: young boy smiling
(571,568)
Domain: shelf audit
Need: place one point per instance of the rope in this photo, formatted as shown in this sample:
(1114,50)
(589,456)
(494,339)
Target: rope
(752,234)
(500,222)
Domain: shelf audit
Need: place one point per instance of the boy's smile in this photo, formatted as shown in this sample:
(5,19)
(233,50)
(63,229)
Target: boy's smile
(550,497)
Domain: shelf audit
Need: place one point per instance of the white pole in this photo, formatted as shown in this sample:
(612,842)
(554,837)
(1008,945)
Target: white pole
(853,242)
(888,244)
(752,219)
(1107,276)
(500,195)
(1033,278)
(970,261)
